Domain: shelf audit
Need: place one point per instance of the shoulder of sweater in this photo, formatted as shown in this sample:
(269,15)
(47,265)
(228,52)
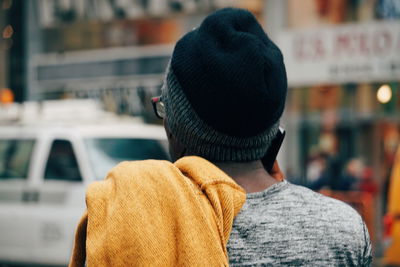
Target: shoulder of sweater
(142,167)
(142,164)
(150,176)
(141,171)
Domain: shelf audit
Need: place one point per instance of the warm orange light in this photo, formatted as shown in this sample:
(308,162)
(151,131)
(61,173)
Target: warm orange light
(384,94)
(6,4)
(6,96)
(8,32)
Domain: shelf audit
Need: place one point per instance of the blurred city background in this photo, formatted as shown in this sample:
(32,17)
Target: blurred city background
(342,115)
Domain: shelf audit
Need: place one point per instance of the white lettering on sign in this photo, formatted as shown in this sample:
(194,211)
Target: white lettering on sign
(349,53)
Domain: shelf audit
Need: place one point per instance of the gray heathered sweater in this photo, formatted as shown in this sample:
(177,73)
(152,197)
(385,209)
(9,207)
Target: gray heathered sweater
(290,225)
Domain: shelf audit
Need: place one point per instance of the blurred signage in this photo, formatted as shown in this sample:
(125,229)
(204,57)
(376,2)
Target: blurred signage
(341,54)
(123,78)
(108,68)
(131,62)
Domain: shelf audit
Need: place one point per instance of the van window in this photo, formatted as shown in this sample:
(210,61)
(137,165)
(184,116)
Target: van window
(105,153)
(62,163)
(15,156)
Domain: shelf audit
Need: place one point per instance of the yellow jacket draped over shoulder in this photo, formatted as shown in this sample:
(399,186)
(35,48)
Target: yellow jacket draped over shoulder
(155,213)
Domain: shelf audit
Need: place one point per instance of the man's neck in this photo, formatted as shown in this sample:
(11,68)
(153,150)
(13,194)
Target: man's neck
(251,176)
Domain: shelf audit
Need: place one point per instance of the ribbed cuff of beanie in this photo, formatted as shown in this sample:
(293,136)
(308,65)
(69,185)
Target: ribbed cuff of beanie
(202,140)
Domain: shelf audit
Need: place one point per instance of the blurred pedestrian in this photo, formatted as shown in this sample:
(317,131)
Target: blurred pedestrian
(351,178)
(330,177)
(222,99)
(316,166)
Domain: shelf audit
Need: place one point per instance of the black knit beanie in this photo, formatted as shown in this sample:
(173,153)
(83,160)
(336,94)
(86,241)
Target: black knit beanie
(225,88)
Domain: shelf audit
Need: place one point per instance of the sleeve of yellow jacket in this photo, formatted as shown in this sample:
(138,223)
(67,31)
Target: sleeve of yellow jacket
(155,213)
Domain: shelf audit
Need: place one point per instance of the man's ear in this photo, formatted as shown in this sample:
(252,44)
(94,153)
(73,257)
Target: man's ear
(276,172)
(169,134)
(176,149)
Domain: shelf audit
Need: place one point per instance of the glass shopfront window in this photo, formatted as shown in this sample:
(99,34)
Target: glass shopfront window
(339,129)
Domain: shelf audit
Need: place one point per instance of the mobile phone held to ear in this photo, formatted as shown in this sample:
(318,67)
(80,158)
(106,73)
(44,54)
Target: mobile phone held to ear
(272,152)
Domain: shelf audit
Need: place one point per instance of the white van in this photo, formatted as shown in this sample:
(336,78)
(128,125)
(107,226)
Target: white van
(44,171)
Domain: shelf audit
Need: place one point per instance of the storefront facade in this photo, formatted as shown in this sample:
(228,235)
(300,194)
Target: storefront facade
(343,106)
(344,81)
